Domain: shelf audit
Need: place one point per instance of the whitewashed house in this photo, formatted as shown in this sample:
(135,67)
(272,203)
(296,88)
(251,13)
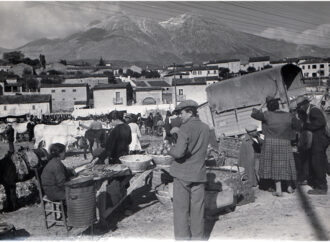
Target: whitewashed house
(315,68)
(34,104)
(149,95)
(110,95)
(65,95)
(259,62)
(234,65)
(190,88)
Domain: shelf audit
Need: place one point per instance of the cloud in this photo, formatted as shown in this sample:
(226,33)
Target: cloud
(319,36)
(21,22)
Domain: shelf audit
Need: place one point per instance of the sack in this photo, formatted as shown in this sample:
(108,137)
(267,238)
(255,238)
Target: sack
(31,158)
(305,140)
(20,165)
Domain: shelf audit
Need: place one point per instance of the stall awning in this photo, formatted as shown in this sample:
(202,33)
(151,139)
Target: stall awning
(252,89)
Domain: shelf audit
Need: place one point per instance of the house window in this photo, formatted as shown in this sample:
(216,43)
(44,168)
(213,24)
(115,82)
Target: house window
(180,91)
(117,96)
(4,108)
(303,67)
(214,72)
(15,89)
(313,66)
(309,67)
(74,90)
(321,65)
(321,73)
(208,72)
(194,72)
(199,72)
(74,98)
(63,90)
(33,107)
(53,91)
(314,74)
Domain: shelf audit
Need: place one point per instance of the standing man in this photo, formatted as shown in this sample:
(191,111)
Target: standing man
(10,137)
(189,173)
(316,122)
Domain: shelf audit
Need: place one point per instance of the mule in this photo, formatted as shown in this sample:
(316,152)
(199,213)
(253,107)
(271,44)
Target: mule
(9,176)
(91,136)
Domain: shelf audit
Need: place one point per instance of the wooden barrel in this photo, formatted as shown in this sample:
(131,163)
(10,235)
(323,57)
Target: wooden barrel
(81,203)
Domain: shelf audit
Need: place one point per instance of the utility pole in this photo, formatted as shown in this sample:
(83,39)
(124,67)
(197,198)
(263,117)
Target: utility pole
(174,70)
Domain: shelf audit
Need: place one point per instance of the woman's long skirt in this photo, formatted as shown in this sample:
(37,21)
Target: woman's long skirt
(277,162)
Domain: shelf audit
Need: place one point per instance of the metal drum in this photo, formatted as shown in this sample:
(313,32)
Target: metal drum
(81,202)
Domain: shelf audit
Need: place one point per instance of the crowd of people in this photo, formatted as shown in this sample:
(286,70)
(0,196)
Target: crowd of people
(268,158)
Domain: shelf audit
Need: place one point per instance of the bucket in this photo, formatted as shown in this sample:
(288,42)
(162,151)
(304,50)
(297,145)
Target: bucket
(81,202)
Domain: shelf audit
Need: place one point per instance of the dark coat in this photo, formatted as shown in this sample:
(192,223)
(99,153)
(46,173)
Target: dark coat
(117,143)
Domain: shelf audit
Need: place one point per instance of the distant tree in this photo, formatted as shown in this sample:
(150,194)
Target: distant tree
(42,60)
(267,67)
(251,69)
(130,97)
(224,73)
(54,72)
(32,62)
(101,62)
(111,77)
(27,71)
(14,57)
(150,74)
(63,62)
(51,80)
(30,83)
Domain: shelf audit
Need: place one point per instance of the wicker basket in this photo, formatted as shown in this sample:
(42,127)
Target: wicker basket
(162,160)
(137,163)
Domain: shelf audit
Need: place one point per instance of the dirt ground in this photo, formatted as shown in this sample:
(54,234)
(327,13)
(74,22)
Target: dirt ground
(296,216)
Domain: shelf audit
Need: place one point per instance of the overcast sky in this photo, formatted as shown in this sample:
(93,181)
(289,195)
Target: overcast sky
(299,22)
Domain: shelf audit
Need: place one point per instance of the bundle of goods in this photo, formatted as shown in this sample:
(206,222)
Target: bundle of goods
(137,163)
(229,147)
(233,177)
(164,194)
(160,175)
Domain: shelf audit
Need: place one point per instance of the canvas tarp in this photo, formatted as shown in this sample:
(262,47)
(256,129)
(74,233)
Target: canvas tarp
(252,89)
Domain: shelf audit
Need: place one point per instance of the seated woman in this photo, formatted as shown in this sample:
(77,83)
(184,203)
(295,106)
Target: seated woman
(55,174)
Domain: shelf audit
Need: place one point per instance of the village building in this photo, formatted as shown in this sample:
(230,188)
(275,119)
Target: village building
(190,88)
(5,68)
(64,95)
(153,91)
(193,72)
(315,68)
(17,105)
(259,62)
(91,80)
(11,86)
(111,95)
(234,65)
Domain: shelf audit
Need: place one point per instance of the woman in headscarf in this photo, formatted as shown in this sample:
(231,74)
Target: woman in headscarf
(277,162)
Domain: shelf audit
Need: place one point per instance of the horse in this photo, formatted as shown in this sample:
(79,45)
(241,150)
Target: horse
(9,175)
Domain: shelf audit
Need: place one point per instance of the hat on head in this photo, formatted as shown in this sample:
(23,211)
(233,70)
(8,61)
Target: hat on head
(186,103)
(302,100)
(251,128)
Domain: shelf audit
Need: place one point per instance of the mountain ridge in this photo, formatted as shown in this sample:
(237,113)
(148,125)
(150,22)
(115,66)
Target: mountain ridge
(188,37)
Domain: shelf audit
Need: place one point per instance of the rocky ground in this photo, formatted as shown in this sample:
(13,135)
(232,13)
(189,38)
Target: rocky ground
(296,216)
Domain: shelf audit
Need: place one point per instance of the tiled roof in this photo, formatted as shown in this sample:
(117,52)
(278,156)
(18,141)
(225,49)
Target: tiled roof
(158,83)
(189,81)
(140,83)
(143,89)
(19,99)
(223,61)
(258,59)
(64,85)
(111,86)
(313,62)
